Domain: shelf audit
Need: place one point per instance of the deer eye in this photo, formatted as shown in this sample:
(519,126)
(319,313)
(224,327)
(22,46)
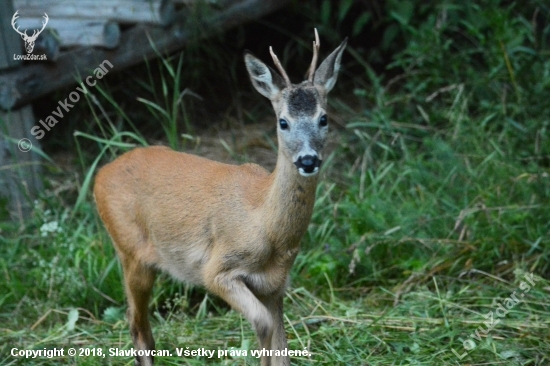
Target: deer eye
(283,124)
(323,121)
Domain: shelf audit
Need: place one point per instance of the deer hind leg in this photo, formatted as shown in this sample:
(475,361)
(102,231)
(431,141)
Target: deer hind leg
(235,292)
(139,280)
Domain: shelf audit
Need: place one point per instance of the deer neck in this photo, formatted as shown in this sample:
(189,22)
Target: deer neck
(289,204)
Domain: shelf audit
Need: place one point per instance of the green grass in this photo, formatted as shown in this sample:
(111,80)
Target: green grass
(432,209)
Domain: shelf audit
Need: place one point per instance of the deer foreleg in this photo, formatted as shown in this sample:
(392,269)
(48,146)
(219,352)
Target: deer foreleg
(278,342)
(235,292)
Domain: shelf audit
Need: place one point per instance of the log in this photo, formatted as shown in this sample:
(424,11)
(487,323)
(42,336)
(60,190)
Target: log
(20,171)
(77,32)
(37,78)
(48,44)
(122,11)
(193,2)
(9,44)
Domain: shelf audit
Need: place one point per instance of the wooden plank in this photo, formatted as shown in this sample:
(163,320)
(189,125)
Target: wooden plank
(77,32)
(124,11)
(19,171)
(37,79)
(10,43)
(48,44)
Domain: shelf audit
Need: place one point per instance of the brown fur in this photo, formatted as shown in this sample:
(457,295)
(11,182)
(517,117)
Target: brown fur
(235,230)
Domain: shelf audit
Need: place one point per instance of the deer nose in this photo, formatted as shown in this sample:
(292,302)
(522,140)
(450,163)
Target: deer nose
(308,164)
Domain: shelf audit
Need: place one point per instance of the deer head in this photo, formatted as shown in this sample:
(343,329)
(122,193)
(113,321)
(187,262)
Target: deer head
(300,108)
(29,40)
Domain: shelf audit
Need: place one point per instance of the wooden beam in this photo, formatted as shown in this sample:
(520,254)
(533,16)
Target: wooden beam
(123,11)
(9,40)
(39,78)
(48,44)
(20,171)
(77,32)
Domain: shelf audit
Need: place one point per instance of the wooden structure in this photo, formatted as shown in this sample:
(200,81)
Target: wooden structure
(19,170)
(151,27)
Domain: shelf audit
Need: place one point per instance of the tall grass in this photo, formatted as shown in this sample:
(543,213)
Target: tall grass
(431,211)
(451,165)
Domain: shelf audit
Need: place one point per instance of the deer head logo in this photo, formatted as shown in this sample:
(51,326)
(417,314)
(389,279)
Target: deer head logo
(29,40)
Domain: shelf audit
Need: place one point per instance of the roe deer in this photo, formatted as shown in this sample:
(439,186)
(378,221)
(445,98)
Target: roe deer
(234,230)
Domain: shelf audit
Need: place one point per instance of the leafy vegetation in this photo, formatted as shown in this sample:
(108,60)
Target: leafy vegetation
(433,211)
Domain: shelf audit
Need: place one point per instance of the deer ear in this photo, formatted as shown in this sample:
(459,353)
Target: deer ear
(264,79)
(327,73)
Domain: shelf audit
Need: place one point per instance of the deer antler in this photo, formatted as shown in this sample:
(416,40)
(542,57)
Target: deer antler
(279,67)
(313,66)
(13,19)
(35,34)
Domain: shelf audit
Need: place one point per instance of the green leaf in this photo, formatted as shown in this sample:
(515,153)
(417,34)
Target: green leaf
(113,314)
(389,35)
(360,23)
(403,12)
(345,5)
